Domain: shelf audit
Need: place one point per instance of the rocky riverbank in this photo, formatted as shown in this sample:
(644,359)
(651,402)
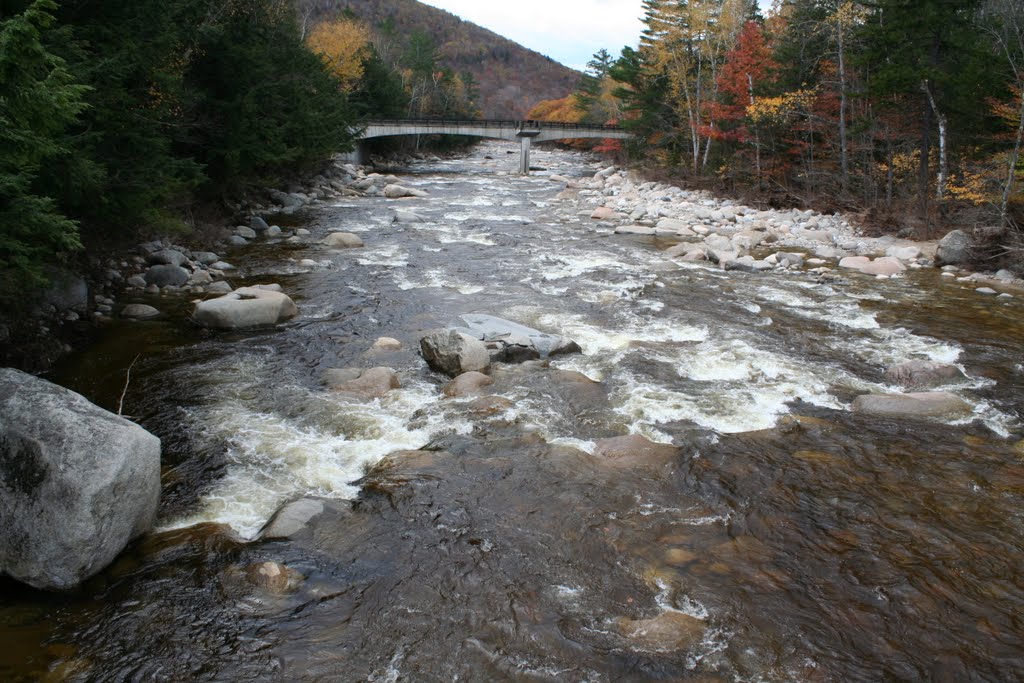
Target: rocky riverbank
(732,236)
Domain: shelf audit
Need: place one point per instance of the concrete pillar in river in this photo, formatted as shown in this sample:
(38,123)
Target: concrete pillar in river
(526,136)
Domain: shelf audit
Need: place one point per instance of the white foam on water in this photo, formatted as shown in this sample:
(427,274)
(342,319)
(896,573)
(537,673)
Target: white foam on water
(388,256)
(744,390)
(271,459)
(887,347)
(475,238)
(476,201)
(596,339)
(434,279)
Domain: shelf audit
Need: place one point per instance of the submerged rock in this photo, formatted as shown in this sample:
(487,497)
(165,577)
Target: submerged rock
(372,383)
(274,577)
(139,312)
(246,307)
(386,344)
(78,483)
(922,374)
(937,404)
(628,451)
(667,632)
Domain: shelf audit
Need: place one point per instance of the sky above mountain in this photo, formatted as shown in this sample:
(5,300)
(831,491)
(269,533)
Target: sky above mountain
(568,31)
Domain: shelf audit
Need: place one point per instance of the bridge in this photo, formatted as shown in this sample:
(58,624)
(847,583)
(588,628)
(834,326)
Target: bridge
(526,132)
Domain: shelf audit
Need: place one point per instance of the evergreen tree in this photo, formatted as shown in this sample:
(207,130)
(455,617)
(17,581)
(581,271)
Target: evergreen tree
(38,101)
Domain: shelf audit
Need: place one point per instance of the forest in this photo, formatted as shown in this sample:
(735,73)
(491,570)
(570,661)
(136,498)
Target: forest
(909,113)
(121,120)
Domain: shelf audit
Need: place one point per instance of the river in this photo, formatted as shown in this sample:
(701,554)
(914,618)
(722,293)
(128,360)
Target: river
(805,542)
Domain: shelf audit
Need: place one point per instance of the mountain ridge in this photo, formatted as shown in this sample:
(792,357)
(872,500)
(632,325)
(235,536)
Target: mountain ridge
(509,77)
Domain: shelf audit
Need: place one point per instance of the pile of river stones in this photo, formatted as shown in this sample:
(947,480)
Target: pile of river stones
(734,237)
(164,268)
(738,237)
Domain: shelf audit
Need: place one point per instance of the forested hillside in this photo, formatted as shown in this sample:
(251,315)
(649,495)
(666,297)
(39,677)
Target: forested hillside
(508,78)
(910,112)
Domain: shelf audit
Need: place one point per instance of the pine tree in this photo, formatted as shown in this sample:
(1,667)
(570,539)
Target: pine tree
(38,101)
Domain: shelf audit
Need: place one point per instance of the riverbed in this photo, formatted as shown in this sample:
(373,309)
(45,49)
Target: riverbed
(800,541)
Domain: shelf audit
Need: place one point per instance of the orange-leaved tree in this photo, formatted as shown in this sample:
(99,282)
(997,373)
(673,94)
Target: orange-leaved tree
(344,46)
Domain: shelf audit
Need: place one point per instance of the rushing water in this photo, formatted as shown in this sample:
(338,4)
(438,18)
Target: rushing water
(812,544)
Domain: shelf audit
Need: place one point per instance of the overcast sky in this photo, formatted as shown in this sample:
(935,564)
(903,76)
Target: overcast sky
(568,31)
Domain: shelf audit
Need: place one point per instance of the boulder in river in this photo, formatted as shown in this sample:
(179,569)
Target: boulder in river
(343,240)
(954,249)
(167,276)
(78,483)
(246,307)
(467,384)
(936,404)
(171,257)
(453,353)
(511,342)
(399,192)
(923,374)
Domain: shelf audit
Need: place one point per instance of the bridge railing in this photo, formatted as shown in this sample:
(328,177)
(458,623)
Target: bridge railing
(496,123)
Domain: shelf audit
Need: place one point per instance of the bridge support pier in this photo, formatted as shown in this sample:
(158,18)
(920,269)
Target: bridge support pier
(525,140)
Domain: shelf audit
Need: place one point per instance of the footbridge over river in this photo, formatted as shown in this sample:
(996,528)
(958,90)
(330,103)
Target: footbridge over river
(526,132)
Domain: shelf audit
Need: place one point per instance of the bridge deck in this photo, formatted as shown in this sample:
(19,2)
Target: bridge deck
(503,129)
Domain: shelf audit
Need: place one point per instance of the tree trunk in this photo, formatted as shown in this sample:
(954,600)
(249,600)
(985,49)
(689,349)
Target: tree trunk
(843,150)
(940,186)
(1014,157)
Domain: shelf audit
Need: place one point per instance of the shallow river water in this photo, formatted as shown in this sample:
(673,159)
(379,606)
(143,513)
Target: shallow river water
(811,543)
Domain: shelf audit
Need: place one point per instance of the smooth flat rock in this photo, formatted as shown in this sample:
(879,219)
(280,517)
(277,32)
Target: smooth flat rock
(246,307)
(398,192)
(139,312)
(508,341)
(635,230)
(292,519)
(627,451)
(939,404)
(78,483)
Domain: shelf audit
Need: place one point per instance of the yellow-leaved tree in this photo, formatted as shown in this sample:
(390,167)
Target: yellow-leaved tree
(344,45)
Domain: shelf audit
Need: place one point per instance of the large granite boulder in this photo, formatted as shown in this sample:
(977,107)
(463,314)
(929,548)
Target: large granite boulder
(246,307)
(77,483)
(511,342)
(453,353)
(954,249)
